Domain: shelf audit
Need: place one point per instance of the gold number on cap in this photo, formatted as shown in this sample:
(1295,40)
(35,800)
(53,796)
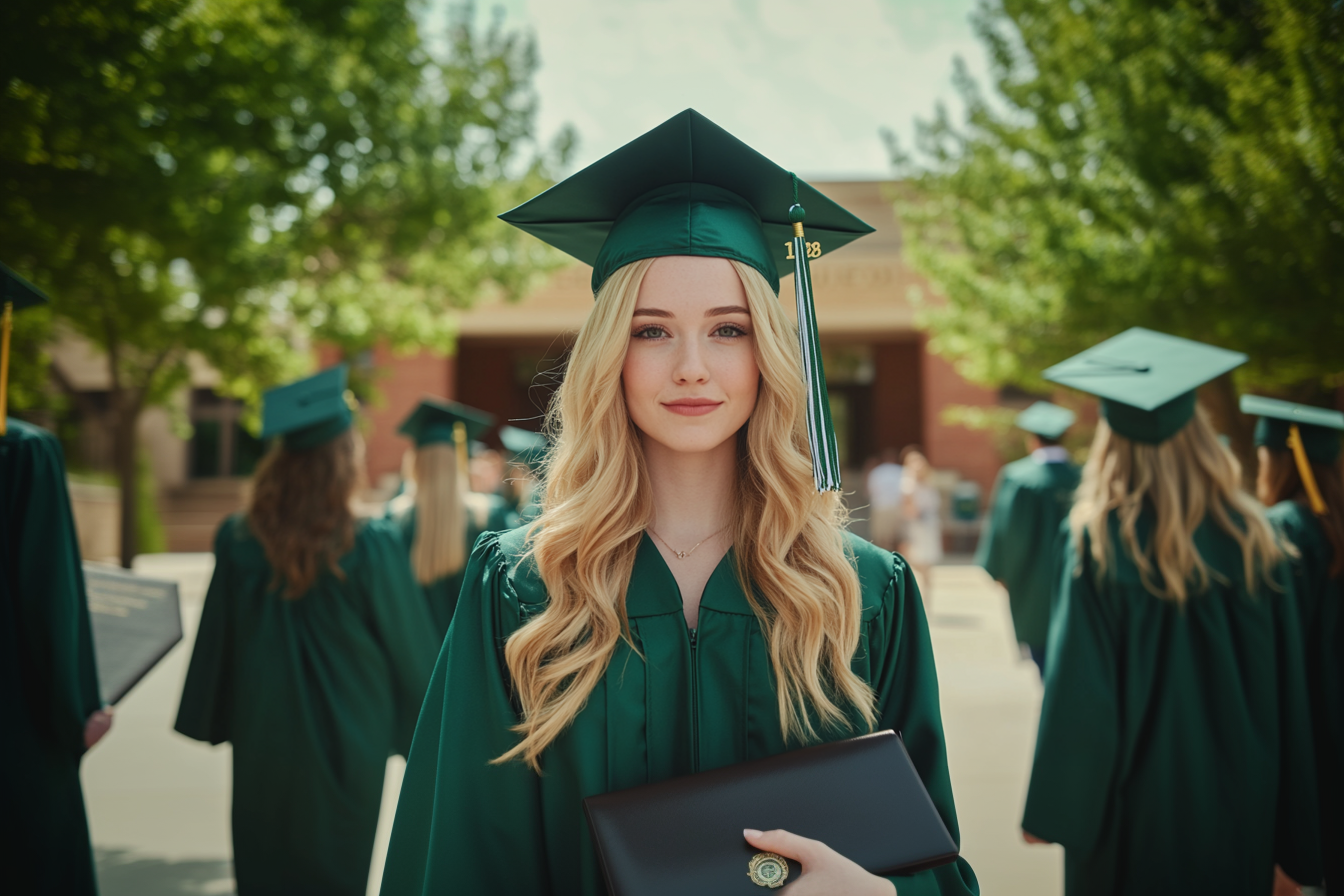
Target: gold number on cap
(813,250)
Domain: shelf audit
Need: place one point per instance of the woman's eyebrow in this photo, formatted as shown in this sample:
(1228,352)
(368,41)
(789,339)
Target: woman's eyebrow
(726,309)
(653,312)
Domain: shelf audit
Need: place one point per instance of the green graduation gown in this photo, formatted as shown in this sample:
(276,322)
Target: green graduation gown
(1321,600)
(48,680)
(314,694)
(466,827)
(1018,546)
(1174,752)
(441,595)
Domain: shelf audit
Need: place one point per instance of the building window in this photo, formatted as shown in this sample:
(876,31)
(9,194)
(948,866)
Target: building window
(220,446)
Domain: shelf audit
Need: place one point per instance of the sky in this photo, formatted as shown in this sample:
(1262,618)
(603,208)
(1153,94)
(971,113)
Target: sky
(809,84)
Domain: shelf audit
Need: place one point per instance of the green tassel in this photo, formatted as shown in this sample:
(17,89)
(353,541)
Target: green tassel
(820,429)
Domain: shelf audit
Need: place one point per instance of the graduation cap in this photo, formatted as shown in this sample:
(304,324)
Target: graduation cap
(688,187)
(528,448)
(1146,380)
(310,412)
(16,294)
(1311,434)
(1047,420)
(436,422)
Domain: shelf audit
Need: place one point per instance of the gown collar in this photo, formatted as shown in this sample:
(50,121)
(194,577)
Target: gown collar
(653,589)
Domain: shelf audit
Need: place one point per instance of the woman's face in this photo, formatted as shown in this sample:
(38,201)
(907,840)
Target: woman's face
(690,374)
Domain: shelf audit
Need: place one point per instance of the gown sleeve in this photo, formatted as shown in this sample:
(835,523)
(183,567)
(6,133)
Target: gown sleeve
(53,605)
(206,709)
(401,622)
(1078,742)
(995,552)
(465,723)
(907,687)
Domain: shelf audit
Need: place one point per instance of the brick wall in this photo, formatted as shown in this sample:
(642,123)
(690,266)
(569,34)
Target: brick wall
(970,453)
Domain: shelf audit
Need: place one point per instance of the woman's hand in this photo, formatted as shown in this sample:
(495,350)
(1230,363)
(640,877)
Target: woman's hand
(825,871)
(95,726)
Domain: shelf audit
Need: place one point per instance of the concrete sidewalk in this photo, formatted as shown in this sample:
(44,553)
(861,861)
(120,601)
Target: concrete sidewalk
(159,803)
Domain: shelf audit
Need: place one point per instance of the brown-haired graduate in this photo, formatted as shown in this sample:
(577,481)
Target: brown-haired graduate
(49,696)
(442,519)
(1174,753)
(312,656)
(688,598)
(1301,483)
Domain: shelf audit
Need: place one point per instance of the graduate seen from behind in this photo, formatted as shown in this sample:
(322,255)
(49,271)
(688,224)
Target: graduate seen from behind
(441,518)
(1174,753)
(1300,481)
(312,655)
(1031,498)
(688,599)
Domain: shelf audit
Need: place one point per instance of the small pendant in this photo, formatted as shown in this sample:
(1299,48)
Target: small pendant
(682,555)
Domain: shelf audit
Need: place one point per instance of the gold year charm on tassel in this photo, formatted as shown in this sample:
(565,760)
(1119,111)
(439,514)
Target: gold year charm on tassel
(813,250)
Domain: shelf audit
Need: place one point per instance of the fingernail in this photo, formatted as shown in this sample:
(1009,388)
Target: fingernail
(750,832)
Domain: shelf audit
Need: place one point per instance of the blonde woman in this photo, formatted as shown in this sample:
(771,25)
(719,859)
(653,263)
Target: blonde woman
(1174,752)
(687,598)
(439,518)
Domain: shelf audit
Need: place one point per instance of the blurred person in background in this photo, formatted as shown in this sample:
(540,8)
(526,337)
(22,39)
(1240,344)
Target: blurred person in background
(439,517)
(885,515)
(312,655)
(49,695)
(1019,546)
(1174,754)
(528,453)
(922,509)
(1301,483)
(486,466)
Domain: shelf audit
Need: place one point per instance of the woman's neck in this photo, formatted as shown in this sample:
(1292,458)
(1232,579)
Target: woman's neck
(693,494)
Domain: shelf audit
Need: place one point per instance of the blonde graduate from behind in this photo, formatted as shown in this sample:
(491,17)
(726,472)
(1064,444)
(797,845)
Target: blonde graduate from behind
(686,600)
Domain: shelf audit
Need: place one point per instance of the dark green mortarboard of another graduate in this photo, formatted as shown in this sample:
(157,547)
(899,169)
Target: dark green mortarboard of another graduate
(312,655)
(613,643)
(1300,482)
(442,518)
(1174,752)
(49,696)
(1031,498)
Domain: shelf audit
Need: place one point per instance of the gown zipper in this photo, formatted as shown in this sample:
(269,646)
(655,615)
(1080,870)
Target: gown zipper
(695,704)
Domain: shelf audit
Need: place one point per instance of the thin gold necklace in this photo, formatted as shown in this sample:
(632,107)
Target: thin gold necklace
(682,555)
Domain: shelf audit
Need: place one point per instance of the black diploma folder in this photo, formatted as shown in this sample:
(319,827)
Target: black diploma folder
(862,797)
(136,621)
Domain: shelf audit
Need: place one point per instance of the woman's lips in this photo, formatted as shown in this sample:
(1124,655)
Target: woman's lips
(692,407)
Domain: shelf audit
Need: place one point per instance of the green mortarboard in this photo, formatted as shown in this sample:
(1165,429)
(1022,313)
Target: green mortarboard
(433,422)
(1049,421)
(528,448)
(688,187)
(1146,380)
(14,289)
(310,412)
(1319,428)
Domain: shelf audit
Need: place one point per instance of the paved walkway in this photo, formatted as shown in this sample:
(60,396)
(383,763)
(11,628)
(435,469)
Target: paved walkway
(159,803)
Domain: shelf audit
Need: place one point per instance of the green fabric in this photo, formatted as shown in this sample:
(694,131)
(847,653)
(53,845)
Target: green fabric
(1019,545)
(1321,444)
(309,412)
(314,694)
(1047,420)
(441,595)
(466,827)
(1174,751)
(1321,601)
(687,187)
(48,680)
(1146,380)
(431,423)
(16,289)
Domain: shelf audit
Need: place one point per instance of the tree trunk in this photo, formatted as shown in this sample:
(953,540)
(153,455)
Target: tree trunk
(125,419)
(1220,397)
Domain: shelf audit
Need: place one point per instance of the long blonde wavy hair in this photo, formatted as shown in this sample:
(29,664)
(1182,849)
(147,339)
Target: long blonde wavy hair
(440,547)
(788,540)
(1183,480)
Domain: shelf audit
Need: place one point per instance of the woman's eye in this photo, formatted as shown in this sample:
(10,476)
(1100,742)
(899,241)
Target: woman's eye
(650,332)
(729,331)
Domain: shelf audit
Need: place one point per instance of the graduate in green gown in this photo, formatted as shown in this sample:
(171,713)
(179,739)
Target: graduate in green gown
(613,642)
(440,519)
(527,461)
(1031,498)
(1174,752)
(1301,482)
(49,696)
(312,655)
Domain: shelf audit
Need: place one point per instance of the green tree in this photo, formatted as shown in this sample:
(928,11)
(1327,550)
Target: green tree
(235,179)
(1176,165)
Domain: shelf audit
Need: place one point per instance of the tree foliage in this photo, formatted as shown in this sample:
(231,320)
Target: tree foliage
(236,179)
(1177,165)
